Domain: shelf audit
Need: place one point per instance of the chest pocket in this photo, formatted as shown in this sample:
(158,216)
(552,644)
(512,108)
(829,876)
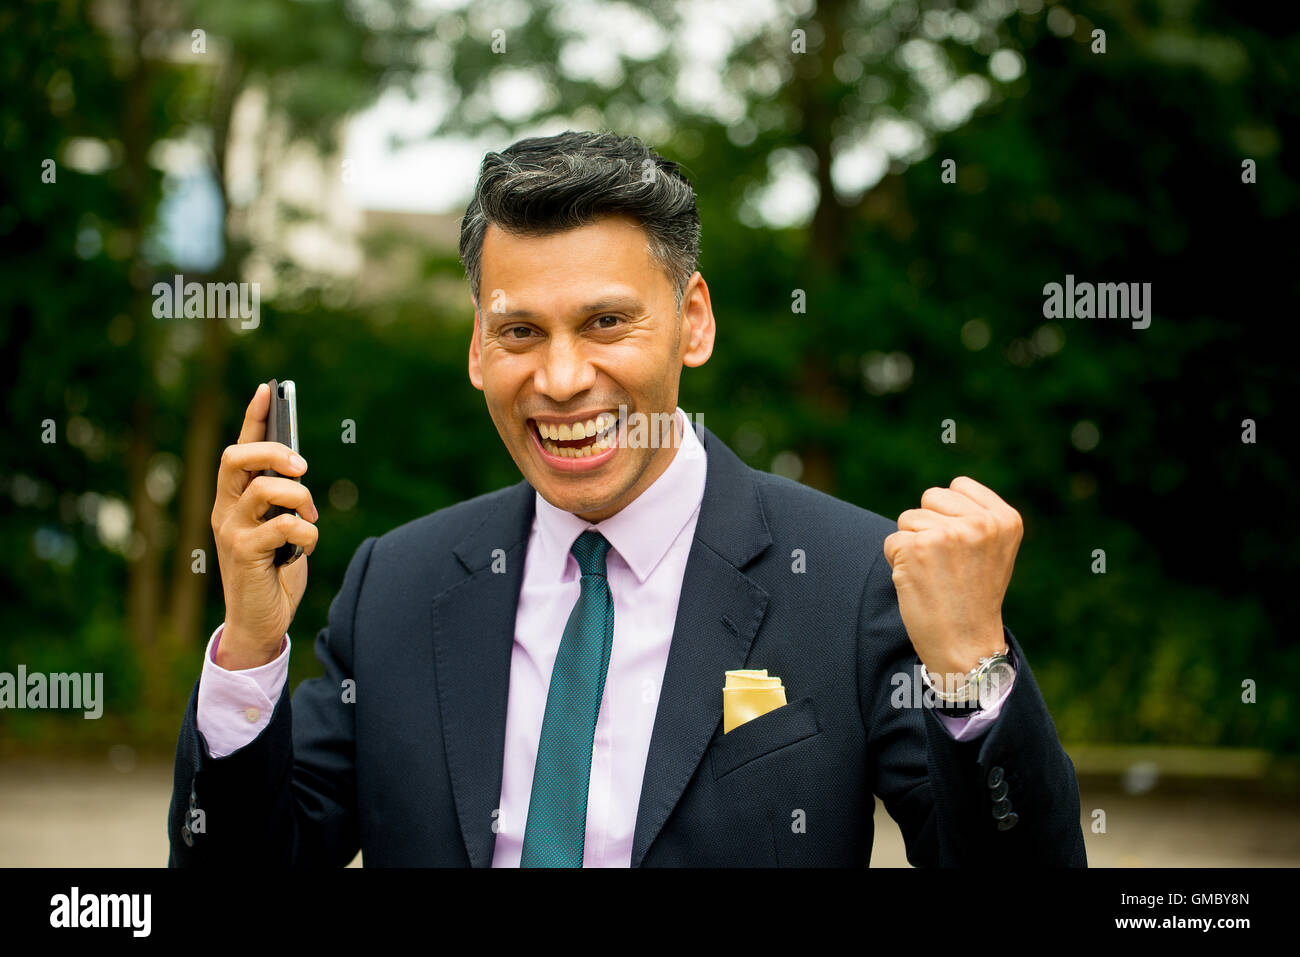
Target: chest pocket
(789,724)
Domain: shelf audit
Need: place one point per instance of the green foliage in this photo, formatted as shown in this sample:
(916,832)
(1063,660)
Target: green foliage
(1116,167)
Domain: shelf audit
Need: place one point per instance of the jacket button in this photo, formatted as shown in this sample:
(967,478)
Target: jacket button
(194,800)
(1000,791)
(1008,822)
(187,836)
(995,777)
(1001,809)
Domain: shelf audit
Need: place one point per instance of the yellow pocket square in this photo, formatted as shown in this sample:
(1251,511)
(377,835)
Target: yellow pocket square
(748,694)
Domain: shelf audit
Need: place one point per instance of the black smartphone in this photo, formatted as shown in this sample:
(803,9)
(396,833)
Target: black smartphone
(282,426)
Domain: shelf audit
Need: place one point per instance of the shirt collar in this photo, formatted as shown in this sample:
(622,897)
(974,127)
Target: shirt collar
(643,531)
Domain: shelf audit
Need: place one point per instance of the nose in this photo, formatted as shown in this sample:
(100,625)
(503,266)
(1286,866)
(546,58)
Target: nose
(565,370)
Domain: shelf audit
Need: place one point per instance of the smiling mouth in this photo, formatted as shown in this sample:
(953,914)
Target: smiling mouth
(577,440)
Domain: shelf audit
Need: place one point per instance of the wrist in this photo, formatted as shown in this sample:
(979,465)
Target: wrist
(235,651)
(980,684)
(992,641)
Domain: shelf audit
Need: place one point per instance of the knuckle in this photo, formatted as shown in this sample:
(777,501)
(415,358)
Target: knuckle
(260,489)
(241,544)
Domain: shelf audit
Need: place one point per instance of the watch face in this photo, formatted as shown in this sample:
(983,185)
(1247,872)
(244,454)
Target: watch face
(995,683)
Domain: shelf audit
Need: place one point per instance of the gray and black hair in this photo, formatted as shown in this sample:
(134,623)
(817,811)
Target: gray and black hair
(548,184)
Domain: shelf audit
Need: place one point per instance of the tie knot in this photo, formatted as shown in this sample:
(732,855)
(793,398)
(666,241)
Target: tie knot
(589,550)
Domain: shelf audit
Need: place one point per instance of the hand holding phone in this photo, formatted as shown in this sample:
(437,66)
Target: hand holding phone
(263,519)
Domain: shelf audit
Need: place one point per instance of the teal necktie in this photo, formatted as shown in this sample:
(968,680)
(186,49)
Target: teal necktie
(557,810)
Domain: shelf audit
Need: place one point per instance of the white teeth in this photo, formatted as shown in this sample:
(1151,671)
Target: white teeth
(578,430)
(600,429)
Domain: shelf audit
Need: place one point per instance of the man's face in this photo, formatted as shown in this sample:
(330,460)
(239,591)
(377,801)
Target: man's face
(570,327)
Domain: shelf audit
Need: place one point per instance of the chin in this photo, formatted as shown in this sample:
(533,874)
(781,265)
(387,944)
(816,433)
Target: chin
(570,499)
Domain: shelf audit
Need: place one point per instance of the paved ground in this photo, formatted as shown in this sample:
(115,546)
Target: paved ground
(107,815)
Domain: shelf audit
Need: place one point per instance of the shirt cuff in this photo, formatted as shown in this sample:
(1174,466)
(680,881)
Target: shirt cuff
(234,706)
(964,729)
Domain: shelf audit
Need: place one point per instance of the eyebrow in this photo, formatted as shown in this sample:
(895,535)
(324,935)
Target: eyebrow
(626,303)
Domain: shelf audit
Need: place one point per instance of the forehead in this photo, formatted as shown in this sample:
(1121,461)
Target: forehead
(570,264)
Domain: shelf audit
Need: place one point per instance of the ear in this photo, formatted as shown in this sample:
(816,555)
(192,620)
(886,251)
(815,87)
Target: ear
(476,355)
(698,327)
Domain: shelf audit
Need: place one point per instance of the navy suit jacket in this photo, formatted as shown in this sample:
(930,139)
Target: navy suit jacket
(410,773)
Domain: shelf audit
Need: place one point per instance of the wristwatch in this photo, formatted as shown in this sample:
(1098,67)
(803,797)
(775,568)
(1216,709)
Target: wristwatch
(983,686)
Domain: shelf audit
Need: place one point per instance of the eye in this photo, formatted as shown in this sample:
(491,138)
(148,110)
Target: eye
(523,332)
(608,322)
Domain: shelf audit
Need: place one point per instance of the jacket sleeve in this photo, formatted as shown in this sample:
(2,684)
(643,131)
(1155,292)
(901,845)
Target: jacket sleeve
(288,797)
(1008,797)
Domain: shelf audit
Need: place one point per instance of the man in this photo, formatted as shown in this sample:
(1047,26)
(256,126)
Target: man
(535,676)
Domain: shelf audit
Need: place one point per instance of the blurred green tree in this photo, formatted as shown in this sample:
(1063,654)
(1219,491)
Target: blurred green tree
(818,140)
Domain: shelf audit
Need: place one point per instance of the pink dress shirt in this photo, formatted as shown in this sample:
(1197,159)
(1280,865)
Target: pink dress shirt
(650,540)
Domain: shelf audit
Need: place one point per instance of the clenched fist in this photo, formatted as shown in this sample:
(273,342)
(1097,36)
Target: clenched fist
(952,560)
(261,597)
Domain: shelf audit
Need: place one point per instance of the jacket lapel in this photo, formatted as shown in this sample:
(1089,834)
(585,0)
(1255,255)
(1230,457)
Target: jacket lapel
(473,633)
(718,614)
